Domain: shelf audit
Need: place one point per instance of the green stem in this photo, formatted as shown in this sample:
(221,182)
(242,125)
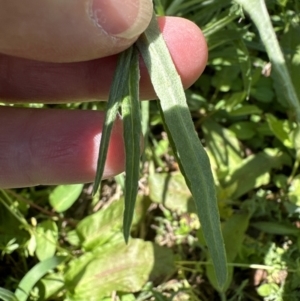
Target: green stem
(238,265)
(294,171)
(11,208)
(223,297)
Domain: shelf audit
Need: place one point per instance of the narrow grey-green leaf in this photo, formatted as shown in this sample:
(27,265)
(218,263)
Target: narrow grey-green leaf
(132,135)
(116,94)
(35,274)
(192,157)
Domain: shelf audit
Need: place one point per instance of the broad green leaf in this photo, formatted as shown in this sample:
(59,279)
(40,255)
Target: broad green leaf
(7,295)
(132,137)
(253,172)
(64,196)
(73,238)
(280,130)
(116,267)
(31,245)
(281,181)
(171,191)
(233,230)
(268,289)
(226,78)
(117,93)
(294,191)
(163,263)
(263,90)
(223,147)
(187,147)
(232,101)
(127,297)
(243,129)
(276,228)
(235,227)
(46,239)
(264,129)
(35,274)
(259,15)
(246,110)
(102,226)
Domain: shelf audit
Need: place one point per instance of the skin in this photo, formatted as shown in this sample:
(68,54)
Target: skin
(68,57)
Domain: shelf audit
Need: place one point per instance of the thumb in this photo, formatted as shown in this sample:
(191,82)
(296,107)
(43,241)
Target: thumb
(68,30)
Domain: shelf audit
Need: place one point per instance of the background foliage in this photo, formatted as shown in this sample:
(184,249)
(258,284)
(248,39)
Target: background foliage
(59,243)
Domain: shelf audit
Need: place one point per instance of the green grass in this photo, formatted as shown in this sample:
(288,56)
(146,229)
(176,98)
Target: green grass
(248,125)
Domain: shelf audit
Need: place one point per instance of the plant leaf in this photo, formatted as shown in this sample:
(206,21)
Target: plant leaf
(259,15)
(276,228)
(64,196)
(116,95)
(235,227)
(117,267)
(35,274)
(224,147)
(132,136)
(192,157)
(171,191)
(279,130)
(46,239)
(7,295)
(253,172)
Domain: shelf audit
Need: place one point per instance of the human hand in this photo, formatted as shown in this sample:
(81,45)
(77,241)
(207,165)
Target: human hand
(55,51)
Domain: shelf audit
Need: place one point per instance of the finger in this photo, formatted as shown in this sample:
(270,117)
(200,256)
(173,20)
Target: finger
(54,147)
(67,30)
(24,80)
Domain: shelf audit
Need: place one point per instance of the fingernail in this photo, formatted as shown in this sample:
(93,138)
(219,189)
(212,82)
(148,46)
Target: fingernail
(119,18)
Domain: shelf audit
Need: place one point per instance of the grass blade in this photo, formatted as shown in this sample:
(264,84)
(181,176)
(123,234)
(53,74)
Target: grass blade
(7,295)
(116,95)
(35,274)
(193,159)
(132,135)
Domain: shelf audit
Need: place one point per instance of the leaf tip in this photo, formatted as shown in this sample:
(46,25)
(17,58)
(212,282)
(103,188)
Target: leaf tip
(126,236)
(95,189)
